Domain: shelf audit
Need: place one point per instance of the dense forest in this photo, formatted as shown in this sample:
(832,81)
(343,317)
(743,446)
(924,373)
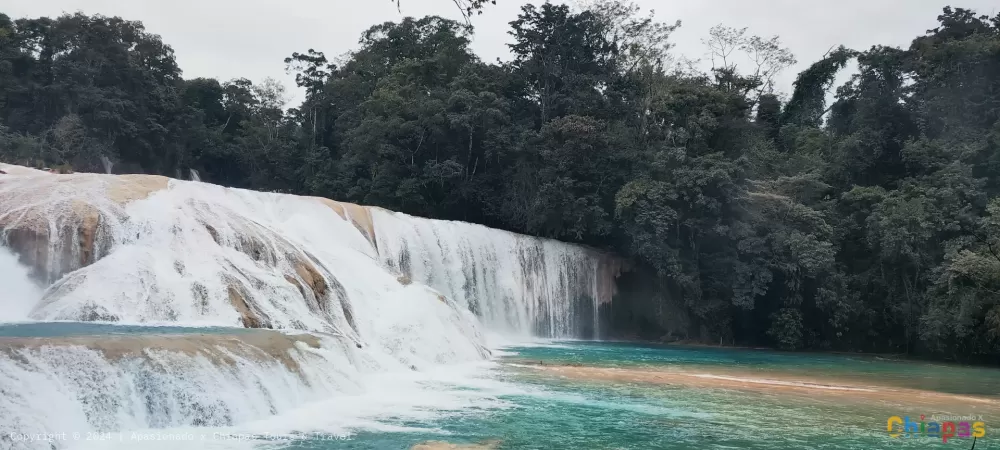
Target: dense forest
(868,223)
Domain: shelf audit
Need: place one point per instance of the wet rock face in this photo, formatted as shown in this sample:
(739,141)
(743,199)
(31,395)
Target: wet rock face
(75,246)
(360,216)
(59,225)
(32,248)
(311,276)
(318,288)
(261,344)
(248,317)
(56,224)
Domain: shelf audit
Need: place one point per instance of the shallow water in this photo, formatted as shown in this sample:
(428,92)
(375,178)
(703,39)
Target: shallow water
(71,329)
(523,401)
(864,369)
(580,414)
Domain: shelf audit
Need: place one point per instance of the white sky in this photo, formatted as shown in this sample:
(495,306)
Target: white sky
(250,38)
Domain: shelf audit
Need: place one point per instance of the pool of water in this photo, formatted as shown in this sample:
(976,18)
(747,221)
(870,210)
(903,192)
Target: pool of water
(556,413)
(545,410)
(863,369)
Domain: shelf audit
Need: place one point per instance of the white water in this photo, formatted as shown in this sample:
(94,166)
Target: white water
(74,389)
(178,255)
(18,294)
(518,285)
(108,165)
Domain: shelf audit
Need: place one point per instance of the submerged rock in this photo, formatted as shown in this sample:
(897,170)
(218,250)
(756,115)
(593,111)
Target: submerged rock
(441,445)
(217,348)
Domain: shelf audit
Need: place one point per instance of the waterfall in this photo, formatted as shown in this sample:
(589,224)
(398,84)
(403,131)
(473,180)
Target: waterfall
(18,294)
(357,292)
(152,383)
(195,176)
(108,165)
(516,284)
(146,249)
(197,385)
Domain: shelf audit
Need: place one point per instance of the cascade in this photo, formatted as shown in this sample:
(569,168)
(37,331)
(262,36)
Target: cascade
(18,294)
(516,284)
(108,165)
(357,292)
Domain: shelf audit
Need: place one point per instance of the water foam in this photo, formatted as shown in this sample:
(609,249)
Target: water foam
(401,305)
(518,285)
(19,293)
(224,397)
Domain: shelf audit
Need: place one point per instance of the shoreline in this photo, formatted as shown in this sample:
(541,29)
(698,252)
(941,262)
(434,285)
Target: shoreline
(828,388)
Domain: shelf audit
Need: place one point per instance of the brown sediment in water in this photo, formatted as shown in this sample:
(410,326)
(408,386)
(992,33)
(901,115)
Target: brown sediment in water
(816,388)
(441,445)
(262,345)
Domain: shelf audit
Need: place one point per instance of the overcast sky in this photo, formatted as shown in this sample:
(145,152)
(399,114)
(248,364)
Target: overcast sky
(250,38)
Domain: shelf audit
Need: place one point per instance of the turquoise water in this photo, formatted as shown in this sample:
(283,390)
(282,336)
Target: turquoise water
(861,369)
(569,414)
(68,329)
(553,412)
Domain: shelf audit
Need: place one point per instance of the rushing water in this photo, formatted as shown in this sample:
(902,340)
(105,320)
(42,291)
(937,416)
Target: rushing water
(151,250)
(18,294)
(379,313)
(517,285)
(131,318)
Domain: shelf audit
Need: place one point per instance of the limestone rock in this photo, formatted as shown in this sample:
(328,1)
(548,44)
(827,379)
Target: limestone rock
(441,445)
(10,169)
(359,215)
(264,345)
(249,318)
(34,204)
(311,276)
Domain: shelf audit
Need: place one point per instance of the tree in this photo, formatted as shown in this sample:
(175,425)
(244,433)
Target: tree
(565,59)
(765,57)
(468,7)
(105,77)
(808,103)
(868,223)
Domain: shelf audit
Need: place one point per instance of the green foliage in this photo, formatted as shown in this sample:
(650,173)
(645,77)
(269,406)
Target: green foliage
(564,59)
(871,223)
(806,107)
(786,328)
(103,86)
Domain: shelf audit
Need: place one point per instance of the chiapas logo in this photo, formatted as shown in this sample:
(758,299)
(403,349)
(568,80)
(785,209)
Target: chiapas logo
(944,427)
